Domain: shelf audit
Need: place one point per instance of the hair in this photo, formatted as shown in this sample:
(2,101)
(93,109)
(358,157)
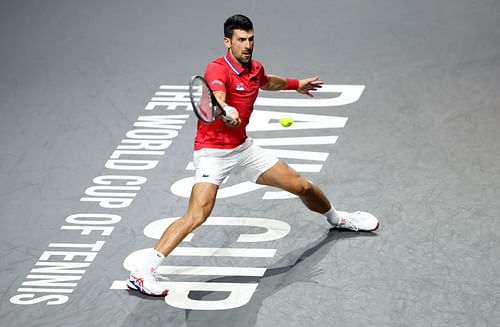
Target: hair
(237,22)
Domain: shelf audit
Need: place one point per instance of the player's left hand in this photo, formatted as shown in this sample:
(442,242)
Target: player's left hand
(232,123)
(309,84)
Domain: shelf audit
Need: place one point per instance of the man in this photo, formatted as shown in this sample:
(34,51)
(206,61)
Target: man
(223,145)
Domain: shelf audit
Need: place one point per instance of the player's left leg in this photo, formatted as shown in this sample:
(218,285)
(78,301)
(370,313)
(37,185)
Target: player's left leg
(285,177)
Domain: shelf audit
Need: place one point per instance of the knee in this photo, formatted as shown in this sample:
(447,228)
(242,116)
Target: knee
(305,188)
(194,219)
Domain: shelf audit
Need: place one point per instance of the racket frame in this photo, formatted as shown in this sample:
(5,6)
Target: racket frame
(219,111)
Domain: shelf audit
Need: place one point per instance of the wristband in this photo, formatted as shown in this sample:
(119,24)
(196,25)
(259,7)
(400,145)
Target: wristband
(231,112)
(292,84)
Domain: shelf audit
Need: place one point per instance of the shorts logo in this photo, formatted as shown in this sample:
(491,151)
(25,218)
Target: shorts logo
(205,175)
(240,87)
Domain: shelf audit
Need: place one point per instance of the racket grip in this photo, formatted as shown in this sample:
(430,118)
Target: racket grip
(230,113)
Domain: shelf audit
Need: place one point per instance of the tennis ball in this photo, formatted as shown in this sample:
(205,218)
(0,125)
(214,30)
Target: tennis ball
(286,121)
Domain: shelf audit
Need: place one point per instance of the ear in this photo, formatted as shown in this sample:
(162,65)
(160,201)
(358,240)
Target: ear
(227,42)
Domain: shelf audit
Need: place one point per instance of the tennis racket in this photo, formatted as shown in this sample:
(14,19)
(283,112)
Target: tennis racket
(205,105)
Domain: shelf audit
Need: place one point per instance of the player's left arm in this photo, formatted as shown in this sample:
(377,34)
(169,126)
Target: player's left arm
(303,86)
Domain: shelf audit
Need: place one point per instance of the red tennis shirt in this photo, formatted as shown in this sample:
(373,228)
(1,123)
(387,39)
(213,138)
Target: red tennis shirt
(241,86)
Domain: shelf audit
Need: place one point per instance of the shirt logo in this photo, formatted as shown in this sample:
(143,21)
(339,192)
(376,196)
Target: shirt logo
(240,87)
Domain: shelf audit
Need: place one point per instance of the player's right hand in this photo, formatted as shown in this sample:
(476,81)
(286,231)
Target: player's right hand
(232,117)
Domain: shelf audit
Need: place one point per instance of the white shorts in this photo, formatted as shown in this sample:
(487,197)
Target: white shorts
(214,165)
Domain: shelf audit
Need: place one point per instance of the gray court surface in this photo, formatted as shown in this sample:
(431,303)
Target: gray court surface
(420,149)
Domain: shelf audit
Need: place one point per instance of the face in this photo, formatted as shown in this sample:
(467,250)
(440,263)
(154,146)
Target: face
(241,45)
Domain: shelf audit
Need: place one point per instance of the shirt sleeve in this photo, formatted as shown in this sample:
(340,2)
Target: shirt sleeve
(263,78)
(216,77)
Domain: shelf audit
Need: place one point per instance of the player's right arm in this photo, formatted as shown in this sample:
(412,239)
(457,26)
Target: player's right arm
(230,111)
(221,98)
(217,78)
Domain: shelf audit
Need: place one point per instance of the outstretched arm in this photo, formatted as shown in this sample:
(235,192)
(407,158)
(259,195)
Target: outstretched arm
(304,86)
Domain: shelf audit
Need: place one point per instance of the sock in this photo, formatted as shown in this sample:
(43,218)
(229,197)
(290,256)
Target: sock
(153,260)
(332,216)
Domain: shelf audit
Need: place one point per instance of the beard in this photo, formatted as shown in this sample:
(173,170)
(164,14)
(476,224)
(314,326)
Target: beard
(245,58)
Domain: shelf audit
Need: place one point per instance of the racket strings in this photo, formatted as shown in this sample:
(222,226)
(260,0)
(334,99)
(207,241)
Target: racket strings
(204,102)
(202,99)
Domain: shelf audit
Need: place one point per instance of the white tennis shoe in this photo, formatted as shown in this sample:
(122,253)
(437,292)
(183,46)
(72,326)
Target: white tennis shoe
(147,283)
(356,221)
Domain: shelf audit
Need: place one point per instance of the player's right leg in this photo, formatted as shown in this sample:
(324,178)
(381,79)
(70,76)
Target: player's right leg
(146,279)
(201,203)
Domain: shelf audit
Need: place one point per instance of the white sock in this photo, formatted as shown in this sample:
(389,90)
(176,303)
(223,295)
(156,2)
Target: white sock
(332,216)
(153,260)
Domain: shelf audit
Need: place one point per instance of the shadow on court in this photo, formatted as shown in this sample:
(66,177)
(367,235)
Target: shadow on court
(298,266)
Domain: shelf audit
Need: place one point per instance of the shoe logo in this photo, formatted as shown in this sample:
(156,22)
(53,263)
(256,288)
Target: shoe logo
(138,281)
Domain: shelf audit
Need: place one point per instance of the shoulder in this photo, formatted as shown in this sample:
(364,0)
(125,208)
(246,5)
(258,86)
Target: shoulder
(217,62)
(258,68)
(257,64)
(216,65)
(216,74)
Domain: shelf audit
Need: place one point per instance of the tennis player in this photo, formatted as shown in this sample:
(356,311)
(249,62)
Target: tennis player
(223,145)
